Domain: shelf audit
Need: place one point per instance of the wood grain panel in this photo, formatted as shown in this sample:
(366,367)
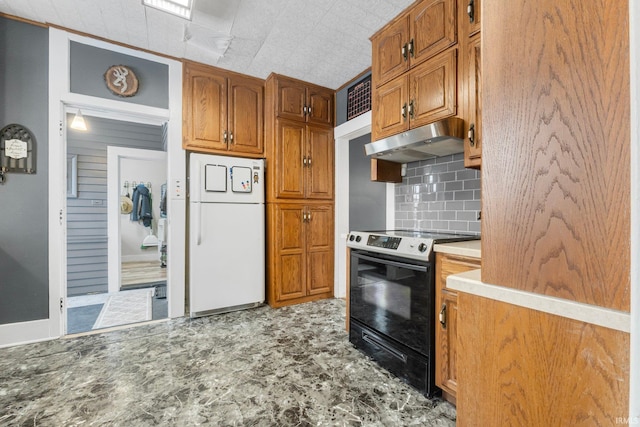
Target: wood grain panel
(446,335)
(289,171)
(433,89)
(387,58)
(389,108)
(246,114)
(320,167)
(433,28)
(520,367)
(555,182)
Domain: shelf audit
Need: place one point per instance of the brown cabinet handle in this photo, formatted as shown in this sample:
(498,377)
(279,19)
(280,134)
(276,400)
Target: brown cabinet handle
(403,111)
(411,109)
(304,161)
(471,135)
(443,315)
(470,11)
(404,52)
(309,161)
(224,136)
(411,48)
(231,137)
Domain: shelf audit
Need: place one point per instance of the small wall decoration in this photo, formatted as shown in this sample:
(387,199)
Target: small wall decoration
(121,80)
(17,150)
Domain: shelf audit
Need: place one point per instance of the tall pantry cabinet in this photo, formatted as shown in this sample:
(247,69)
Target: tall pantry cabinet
(300,168)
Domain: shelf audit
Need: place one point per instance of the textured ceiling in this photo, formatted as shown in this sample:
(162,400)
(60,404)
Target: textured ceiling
(325,42)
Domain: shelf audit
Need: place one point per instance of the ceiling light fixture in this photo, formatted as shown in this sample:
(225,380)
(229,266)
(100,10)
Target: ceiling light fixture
(78,122)
(181,8)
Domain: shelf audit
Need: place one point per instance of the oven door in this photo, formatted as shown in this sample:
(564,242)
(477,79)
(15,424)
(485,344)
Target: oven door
(393,296)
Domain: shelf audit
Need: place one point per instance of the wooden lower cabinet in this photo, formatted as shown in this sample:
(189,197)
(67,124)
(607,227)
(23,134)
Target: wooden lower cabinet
(447,321)
(299,253)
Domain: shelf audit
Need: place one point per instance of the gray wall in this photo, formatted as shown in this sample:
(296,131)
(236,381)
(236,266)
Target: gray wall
(24,257)
(87,214)
(440,195)
(367,199)
(89,63)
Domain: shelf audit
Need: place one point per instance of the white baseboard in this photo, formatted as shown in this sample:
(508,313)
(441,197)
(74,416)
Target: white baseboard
(150,257)
(25,332)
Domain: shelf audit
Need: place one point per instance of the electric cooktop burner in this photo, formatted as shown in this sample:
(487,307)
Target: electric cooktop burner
(414,244)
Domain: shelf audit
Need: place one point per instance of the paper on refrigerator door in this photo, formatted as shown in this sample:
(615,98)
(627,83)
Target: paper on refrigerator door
(215,178)
(241,179)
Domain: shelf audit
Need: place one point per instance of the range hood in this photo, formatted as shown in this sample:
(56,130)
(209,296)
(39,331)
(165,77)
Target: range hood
(437,139)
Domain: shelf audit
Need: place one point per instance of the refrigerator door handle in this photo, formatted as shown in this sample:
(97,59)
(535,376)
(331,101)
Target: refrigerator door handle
(198,223)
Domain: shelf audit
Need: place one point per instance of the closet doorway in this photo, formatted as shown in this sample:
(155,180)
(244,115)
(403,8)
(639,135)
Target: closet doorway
(101,230)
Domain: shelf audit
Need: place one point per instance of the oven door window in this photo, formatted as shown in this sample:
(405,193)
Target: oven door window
(392,296)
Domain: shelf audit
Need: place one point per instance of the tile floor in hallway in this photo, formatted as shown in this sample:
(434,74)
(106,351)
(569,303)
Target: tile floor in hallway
(261,367)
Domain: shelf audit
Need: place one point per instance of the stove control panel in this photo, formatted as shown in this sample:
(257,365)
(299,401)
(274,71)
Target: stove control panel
(386,242)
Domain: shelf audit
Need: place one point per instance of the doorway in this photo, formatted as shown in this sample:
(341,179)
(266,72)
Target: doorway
(100,161)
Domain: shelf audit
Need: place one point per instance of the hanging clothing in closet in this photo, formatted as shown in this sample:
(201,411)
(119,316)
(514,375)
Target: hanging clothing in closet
(142,205)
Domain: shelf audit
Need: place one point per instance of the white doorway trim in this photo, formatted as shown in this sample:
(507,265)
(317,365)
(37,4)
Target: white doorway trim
(61,100)
(347,131)
(114,249)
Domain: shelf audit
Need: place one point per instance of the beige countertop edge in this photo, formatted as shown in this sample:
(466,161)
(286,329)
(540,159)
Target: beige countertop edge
(470,248)
(470,282)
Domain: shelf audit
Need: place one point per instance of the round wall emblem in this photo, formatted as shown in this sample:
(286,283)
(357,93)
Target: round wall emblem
(121,80)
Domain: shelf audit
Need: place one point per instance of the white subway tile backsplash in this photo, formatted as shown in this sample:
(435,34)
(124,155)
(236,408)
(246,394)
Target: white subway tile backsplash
(439,195)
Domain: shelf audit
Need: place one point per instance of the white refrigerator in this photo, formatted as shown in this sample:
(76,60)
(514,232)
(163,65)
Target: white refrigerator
(226,234)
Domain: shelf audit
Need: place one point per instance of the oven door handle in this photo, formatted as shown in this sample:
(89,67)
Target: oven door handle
(395,353)
(422,268)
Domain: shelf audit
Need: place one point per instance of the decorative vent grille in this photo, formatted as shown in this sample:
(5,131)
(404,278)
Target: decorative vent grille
(359,98)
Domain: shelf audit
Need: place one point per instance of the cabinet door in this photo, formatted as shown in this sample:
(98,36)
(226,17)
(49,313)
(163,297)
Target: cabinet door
(246,116)
(473,109)
(390,54)
(447,320)
(291,99)
(205,109)
(390,108)
(433,89)
(472,16)
(320,169)
(433,28)
(320,106)
(290,154)
(448,342)
(289,261)
(319,249)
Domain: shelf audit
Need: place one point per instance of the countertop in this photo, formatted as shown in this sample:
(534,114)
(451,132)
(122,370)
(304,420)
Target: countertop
(470,248)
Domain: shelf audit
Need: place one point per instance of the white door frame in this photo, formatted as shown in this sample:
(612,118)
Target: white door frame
(347,131)
(62,101)
(114,248)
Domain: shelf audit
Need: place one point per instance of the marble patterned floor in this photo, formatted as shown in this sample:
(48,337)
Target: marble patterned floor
(291,366)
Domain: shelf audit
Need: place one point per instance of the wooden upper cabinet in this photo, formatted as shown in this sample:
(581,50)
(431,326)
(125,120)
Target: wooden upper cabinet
(301,101)
(433,89)
(223,112)
(433,28)
(390,54)
(473,107)
(423,95)
(246,115)
(205,109)
(418,34)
